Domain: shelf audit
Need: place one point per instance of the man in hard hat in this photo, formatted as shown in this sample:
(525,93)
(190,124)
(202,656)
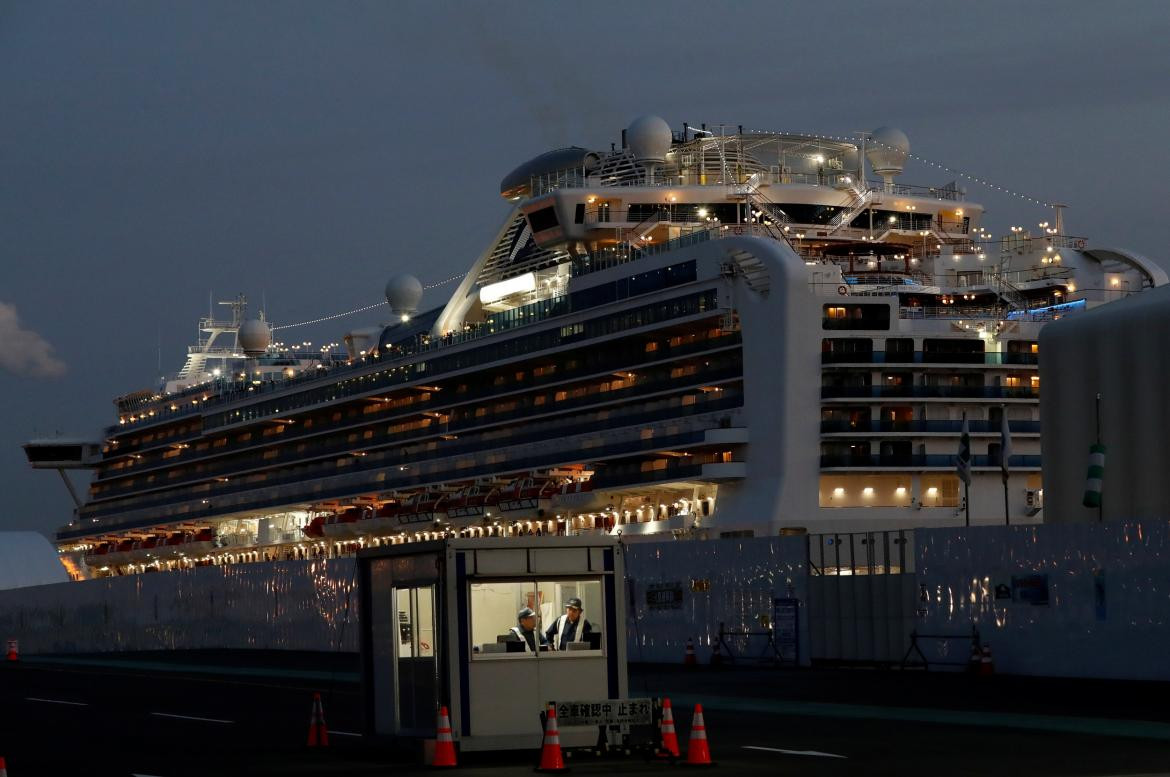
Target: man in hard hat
(525,630)
(570,627)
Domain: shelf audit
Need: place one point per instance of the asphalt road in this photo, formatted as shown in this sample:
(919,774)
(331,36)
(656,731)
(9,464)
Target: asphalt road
(194,720)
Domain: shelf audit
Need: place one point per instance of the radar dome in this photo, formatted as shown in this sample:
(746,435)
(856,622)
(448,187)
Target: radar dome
(887,155)
(402,294)
(254,337)
(649,138)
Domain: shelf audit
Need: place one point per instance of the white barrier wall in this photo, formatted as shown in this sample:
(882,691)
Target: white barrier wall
(734,581)
(1073,600)
(291,605)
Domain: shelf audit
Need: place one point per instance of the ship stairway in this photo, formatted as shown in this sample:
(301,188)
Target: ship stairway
(754,272)
(861,199)
(1008,292)
(506,248)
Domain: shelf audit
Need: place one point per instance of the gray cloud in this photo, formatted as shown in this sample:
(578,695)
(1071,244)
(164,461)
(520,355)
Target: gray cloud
(23,351)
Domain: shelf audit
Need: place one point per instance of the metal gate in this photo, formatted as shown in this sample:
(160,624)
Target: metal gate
(862,596)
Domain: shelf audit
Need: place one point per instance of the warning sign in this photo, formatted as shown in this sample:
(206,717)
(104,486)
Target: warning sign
(607,712)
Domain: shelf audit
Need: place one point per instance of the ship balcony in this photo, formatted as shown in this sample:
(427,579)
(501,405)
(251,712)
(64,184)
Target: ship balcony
(950,428)
(922,461)
(929,392)
(919,357)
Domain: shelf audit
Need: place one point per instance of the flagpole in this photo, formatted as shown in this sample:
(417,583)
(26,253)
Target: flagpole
(1005,452)
(1100,502)
(1007,520)
(967,501)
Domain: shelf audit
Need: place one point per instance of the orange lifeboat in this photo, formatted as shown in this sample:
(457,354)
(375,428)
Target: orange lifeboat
(526,498)
(473,503)
(423,507)
(344,523)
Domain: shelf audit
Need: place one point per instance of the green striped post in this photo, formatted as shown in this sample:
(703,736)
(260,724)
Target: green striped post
(1095,477)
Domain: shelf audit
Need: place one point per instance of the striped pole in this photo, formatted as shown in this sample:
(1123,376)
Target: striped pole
(1095,477)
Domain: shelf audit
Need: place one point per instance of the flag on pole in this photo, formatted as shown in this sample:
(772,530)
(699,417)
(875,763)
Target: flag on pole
(1095,477)
(1005,445)
(963,460)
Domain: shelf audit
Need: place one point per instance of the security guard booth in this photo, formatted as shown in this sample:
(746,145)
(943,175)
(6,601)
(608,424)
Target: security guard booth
(436,620)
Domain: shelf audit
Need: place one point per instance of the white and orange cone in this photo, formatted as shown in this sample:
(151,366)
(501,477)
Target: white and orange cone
(698,753)
(444,744)
(551,759)
(986,665)
(669,737)
(318,733)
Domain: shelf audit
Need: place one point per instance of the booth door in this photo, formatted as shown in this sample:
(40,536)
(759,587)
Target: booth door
(416,662)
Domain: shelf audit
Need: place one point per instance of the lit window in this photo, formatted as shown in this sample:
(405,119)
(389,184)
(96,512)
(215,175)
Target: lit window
(834,313)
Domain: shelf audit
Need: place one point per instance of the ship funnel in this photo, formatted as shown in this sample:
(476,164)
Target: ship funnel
(402,294)
(887,155)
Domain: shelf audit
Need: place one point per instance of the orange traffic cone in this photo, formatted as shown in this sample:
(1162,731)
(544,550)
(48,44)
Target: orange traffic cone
(698,754)
(551,759)
(444,744)
(13,654)
(669,738)
(986,665)
(689,657)
(318,733)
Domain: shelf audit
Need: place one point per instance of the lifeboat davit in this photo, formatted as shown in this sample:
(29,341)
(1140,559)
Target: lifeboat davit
(423,507)
(578,495)
(472,503)
(526,498)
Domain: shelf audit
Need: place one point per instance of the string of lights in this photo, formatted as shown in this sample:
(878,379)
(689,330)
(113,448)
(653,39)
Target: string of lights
(940,166)
(335,316)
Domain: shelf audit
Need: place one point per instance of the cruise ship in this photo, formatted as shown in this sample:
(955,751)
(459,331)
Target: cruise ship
(697,333)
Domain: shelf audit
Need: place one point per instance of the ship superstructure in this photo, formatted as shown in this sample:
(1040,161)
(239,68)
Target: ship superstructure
(697,333)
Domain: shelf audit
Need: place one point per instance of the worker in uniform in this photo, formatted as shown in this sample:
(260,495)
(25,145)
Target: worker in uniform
(570,627)
(525,630)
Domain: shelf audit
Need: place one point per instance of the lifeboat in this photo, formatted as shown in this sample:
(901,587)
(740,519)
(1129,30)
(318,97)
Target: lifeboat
(119,552)
(344,523)
(385,518)
(99,555)
(202,541)
(423,507)
(314,527)
(578,495)
(472,503)
(526,498)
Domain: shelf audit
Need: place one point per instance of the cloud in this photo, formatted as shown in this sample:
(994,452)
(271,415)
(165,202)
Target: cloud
(23,351)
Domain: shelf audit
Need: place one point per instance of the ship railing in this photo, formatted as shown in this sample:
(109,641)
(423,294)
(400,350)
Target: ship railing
(925,427)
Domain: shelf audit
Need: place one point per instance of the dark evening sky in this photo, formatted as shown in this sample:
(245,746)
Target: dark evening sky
(153,152)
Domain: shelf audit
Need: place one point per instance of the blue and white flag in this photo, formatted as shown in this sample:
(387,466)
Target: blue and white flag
(963,460)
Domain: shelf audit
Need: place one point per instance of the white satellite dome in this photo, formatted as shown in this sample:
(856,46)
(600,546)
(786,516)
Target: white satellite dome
(888,152)
(254,336)
(649,139)
(402,294)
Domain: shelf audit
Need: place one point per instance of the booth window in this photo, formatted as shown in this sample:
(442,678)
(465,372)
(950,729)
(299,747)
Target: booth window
(496,604)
